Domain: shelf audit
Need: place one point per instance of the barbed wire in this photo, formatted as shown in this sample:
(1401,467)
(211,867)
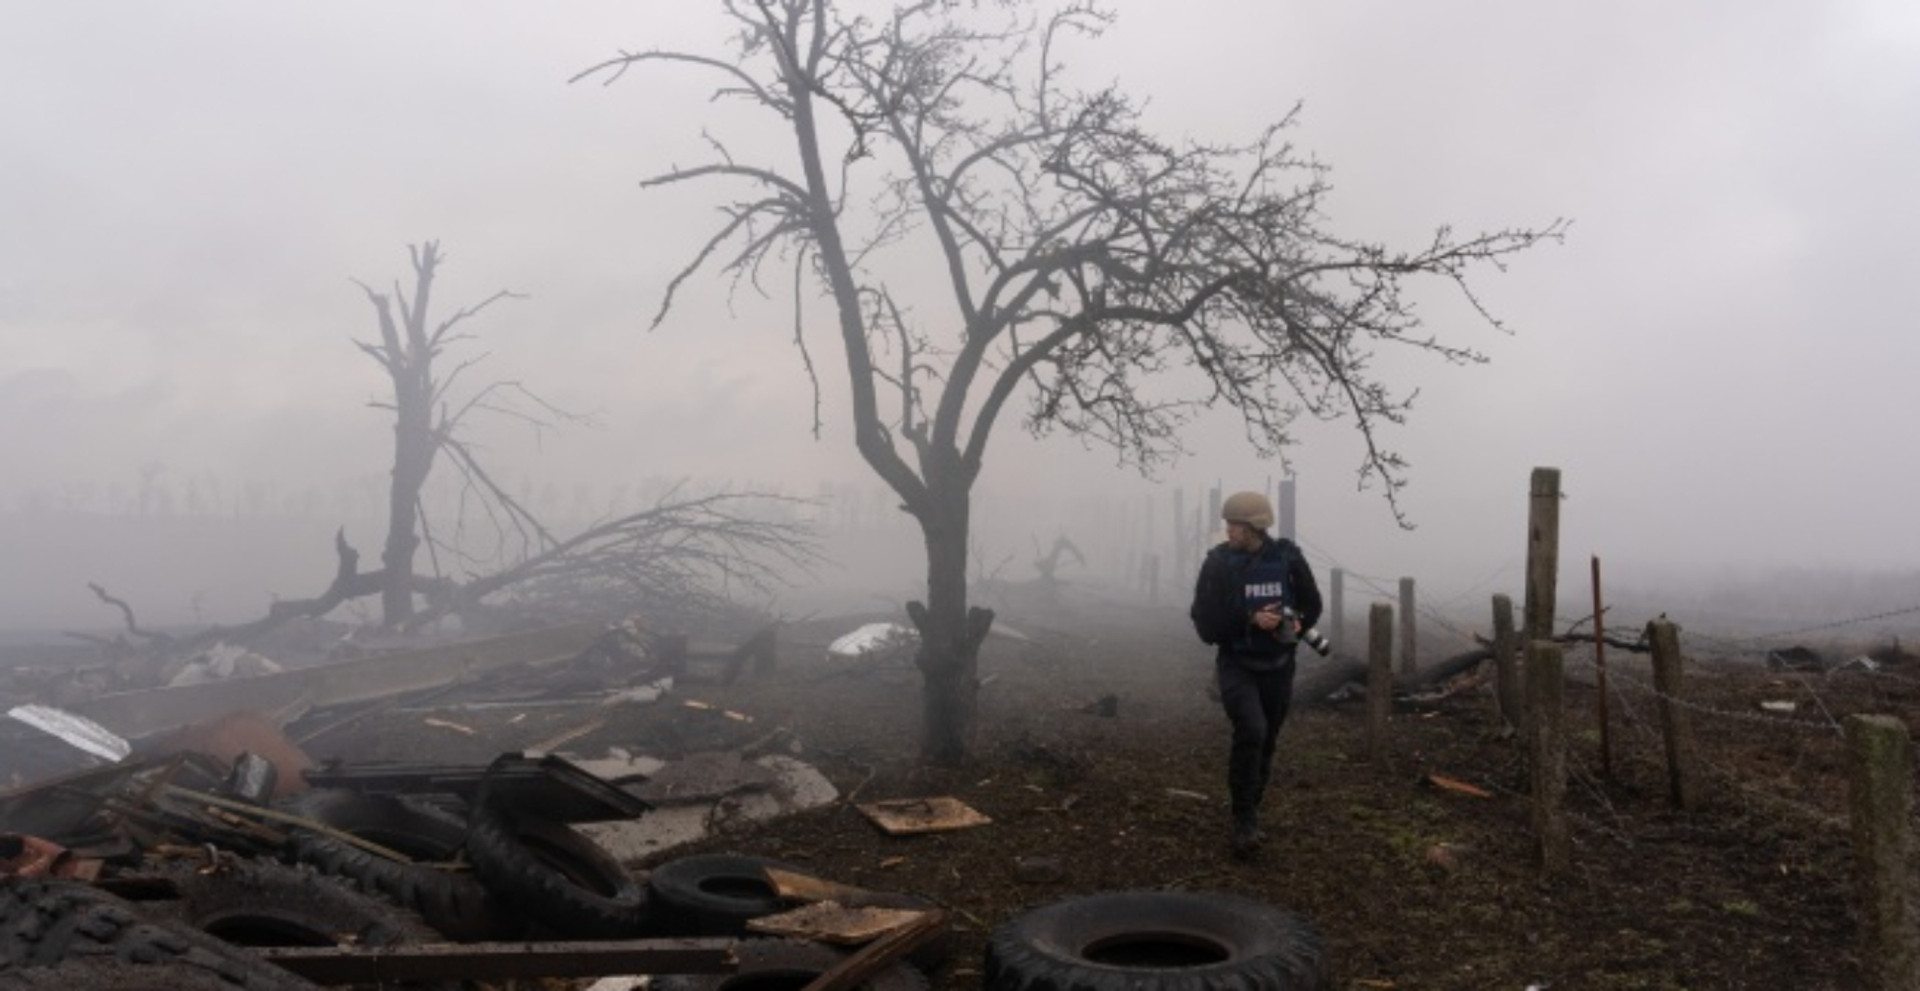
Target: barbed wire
(1614,675)
(1762,639)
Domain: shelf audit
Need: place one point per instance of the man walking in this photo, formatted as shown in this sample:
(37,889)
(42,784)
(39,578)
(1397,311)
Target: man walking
(1254,596)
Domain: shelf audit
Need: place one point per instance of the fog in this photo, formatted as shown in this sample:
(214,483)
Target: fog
(1719,358)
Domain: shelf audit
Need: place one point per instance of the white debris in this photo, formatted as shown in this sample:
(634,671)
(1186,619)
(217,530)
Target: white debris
(1780,706)
(872,637)
(79,731)
(641,694)
(796,786)
(619,984)
(220,662)
(1000,629)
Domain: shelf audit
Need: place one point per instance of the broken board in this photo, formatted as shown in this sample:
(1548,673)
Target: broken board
(908,816)
(832,922)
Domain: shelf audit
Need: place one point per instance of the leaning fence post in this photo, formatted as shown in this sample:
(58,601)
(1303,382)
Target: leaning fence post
(1879,797)
(1506,667)
(1682,784)
(1379,681)
(1547,745)
(1407,662)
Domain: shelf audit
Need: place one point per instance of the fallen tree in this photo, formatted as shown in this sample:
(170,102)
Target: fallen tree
(677,561)
(1337,679)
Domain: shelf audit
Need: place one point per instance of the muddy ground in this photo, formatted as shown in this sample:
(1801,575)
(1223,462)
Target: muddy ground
(1414,885)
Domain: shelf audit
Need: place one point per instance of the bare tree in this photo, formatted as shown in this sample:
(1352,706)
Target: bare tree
(425,422)
(1083,257)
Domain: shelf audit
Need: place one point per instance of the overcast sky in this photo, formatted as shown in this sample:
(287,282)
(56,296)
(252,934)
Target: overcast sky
(1720,358)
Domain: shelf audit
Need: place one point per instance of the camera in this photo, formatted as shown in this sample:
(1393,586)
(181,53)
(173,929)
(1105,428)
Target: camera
(1312,638)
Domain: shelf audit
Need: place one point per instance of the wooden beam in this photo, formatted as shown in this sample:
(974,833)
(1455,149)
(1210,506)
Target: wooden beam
(458,961)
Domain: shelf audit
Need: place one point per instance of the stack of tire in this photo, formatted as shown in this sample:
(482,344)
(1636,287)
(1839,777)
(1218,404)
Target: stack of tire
(70,936)
(530,877)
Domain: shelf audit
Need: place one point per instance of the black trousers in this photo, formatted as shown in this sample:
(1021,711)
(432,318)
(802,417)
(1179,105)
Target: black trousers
(1256,704)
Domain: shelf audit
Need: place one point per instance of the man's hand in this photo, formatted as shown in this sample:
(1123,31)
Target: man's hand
(1268,619)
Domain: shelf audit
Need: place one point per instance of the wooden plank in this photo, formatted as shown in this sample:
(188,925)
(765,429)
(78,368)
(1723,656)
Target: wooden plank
(832,922)
(880,954)
(488,961)
(909,816)
(806,888)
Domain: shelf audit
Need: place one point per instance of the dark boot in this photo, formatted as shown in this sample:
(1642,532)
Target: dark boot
(1247,837)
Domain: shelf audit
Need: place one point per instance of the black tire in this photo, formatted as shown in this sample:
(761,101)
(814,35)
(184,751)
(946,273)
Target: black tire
(78,931)
(713,894)
(112,975)
(453,902)
(267,904)
(787,963)
(552,874)
(1156,941)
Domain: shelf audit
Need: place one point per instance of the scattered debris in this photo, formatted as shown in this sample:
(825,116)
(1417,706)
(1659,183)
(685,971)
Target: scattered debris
(874,638)
(221,662)
(1795,659)
(30,856)
(1863,662)
(1106,705)
(82,733)
(832,922)
(911,816)
(1456,785)
(1447,856)
(1782,705)
(1036,869)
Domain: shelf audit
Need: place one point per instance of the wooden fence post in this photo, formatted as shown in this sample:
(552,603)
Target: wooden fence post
(1506,665)
(1546,722)
(1676,725)
(1879,798)
(1379,682)
(1286,520)
(1407,663)
(1336,608)
(1543,552)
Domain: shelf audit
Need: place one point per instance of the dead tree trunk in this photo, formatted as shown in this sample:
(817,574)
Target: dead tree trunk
(950,632)
(406,350)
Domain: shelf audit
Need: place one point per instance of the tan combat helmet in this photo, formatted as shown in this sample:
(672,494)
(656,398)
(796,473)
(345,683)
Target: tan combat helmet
(1251,508)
